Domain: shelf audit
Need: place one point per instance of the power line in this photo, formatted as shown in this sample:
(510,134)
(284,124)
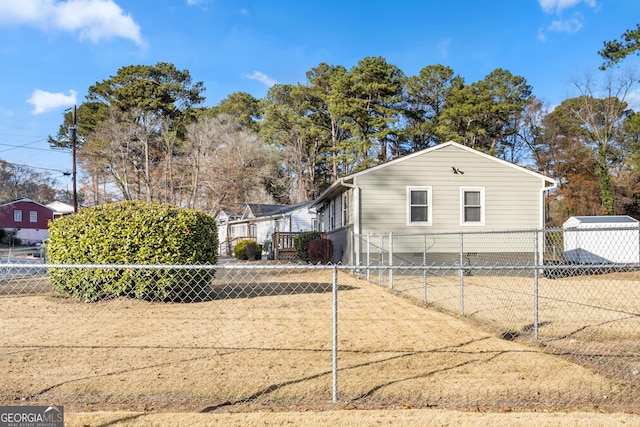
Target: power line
(65,173)
(31,148)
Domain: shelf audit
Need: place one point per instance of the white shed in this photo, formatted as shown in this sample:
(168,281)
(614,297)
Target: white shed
(601,239)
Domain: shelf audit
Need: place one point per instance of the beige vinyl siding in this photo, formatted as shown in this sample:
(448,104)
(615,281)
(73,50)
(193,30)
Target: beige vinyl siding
(512,196)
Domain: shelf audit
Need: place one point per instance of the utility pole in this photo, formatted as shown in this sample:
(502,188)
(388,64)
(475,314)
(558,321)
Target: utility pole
(73,135)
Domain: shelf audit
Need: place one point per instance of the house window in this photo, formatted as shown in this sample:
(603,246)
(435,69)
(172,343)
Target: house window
(332,215)
(472,206)
(419,209)
(345,209)
(33,216)
(17,215)
(238,230)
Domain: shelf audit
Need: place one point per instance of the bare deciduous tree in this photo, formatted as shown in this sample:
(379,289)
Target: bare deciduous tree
(225,164)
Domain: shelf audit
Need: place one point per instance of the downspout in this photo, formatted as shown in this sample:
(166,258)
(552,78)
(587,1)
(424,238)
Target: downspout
(542,197)
(356,220)
(540,245)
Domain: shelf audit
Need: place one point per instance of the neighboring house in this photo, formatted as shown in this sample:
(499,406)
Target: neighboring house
(60,209)
(224,217)
(29,218)
(259,222)
(445,188)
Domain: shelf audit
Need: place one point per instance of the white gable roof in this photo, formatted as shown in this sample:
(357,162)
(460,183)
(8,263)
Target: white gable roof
(449,144)
(25,200)
(60,208)
(351,177)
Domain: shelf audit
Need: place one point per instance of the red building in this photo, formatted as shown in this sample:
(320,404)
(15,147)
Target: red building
(30,218)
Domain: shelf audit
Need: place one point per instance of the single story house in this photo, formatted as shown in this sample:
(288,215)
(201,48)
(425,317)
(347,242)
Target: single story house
(29,218)
(259,222)
(448,188)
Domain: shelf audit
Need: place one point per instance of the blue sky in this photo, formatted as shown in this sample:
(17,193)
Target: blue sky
(51,51)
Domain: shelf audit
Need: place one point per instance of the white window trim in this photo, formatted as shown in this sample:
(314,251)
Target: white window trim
(33,216)
(429,206)
(345,209)
(482,207)
(17,215)
(332,215)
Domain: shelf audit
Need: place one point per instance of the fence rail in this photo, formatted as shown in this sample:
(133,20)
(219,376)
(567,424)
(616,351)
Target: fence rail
(483,331)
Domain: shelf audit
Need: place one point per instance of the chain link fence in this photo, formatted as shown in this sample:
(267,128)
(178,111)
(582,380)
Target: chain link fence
(489,320)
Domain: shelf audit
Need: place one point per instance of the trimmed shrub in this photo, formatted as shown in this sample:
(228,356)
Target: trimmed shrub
(301,243)
(320,251)
(240,250)
(128,233)
(10,237)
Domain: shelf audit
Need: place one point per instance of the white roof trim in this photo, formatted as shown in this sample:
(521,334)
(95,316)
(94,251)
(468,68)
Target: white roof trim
(26,200)
(449,144)
(428,150)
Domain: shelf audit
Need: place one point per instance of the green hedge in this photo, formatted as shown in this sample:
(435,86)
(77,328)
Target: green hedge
(240,250)
(133,233)
(301,243)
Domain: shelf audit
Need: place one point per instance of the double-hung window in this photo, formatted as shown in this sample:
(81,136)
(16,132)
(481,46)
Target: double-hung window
(33,216)
(332,215)
(17,215)
(345,209)
(419,206)
(472,206)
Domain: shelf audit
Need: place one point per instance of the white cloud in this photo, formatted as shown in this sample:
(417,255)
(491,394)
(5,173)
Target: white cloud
(567,26)
(262,78)
(44,101)
(93,20)
(542,35)
(633,99)
(557,6)
(563,25)
(27,11)
(444,47)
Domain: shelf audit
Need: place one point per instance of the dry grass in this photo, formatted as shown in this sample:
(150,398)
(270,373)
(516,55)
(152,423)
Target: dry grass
(585,306)
(267,344)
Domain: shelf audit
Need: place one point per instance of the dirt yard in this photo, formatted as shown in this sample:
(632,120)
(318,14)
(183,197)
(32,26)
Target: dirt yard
(260,353)
(353,418)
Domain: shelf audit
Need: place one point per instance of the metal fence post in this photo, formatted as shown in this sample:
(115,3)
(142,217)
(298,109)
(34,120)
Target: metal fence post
(391,260)
(355,256)
(461,273)
(335,333)
(536,261)
(424,270)
(381,260)
(368,256)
